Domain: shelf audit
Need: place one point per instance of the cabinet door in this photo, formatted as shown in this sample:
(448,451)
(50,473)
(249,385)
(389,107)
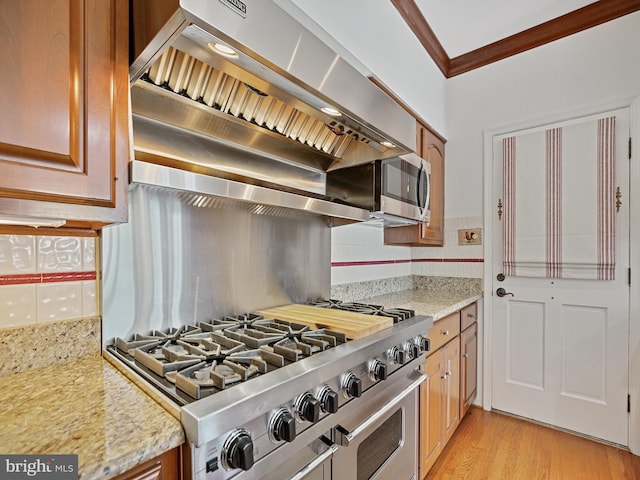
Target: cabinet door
(468,316)
(431,412)
(164,467)
(64,102)
(432,149)
(468,367)
(451,354)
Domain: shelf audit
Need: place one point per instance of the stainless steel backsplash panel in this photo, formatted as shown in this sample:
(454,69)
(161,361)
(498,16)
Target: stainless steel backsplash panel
(177,263)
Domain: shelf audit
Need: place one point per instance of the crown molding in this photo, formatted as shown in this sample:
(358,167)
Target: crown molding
(584,18)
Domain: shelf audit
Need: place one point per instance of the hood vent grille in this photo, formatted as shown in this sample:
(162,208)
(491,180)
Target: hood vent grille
(189,77)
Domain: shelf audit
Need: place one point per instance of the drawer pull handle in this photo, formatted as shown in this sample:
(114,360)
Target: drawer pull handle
(445,332)
(470,315)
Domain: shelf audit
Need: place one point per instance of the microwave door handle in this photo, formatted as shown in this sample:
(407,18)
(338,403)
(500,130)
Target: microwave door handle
(428,189)
(418,181)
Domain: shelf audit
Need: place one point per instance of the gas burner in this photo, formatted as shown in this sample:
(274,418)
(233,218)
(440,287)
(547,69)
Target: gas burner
(199,379)
(255,336)
(293,349)
(137,341)
(215,325)
(290,329)
(244,319)
(213,341)
(398,314)
(329,303)
(326,336)
(262,357)
(166,357)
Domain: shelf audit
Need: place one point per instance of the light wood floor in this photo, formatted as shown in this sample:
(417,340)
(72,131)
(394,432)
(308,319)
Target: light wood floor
(494,446)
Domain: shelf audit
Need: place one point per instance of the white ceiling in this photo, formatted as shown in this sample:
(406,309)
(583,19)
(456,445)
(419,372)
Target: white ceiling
(465,25)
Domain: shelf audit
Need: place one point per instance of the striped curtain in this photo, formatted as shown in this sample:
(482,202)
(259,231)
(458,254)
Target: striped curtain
(559,201)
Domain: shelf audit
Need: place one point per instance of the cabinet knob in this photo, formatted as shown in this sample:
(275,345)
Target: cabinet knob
(465,355)
(445,332)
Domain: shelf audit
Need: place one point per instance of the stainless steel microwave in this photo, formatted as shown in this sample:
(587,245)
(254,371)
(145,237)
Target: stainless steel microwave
(397,187)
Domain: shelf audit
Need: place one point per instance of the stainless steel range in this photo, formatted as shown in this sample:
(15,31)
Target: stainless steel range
(267,398)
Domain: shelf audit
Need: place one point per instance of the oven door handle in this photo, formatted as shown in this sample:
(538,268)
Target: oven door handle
(320,459)
(345,438)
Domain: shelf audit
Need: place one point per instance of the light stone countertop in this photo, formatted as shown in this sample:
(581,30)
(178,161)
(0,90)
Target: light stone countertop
(435,303)
(86,408)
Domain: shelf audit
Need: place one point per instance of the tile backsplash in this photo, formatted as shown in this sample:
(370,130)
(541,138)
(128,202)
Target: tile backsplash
(46,279)
(358,254)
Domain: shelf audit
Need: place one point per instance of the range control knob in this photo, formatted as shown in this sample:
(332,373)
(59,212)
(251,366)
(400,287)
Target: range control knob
(377,370)
(328,399)
(307,407)
(351,386)
(413,350)
(237,451)
(396,355)
(424,344)
(282,426)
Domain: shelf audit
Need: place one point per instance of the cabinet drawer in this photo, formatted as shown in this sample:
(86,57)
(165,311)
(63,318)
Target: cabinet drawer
(469,315)
(443,331)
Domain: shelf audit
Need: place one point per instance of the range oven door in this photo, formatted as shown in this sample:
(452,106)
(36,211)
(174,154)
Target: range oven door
(380,440)
(313,462)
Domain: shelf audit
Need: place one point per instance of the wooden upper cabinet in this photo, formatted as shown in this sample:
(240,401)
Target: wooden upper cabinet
(64,142)
(432,149)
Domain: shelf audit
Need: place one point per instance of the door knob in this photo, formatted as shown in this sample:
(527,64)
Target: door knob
(501,292)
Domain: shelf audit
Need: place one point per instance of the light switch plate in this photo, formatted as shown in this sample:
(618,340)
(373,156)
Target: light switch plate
(470,236)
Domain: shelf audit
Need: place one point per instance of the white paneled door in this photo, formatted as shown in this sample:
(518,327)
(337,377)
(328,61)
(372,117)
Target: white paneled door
(561,256)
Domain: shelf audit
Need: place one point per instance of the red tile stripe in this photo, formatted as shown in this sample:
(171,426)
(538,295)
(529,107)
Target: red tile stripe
(30,278)
(367,262)
(449,260)
(416,260)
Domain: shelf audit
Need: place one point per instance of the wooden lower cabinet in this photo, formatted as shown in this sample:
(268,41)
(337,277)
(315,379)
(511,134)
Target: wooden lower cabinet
(468,367)
(451,394)
(431,408)
(440,402)
(166,466)
(451,385)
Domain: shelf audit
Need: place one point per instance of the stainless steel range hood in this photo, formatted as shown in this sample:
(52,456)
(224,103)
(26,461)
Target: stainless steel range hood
(259,115)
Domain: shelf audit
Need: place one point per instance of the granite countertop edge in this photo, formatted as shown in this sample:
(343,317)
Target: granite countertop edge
(436,304)
(98,414)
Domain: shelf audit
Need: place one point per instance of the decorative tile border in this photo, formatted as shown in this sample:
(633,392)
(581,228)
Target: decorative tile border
(411,260)
(37,278)
(449,260)
(369,262)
